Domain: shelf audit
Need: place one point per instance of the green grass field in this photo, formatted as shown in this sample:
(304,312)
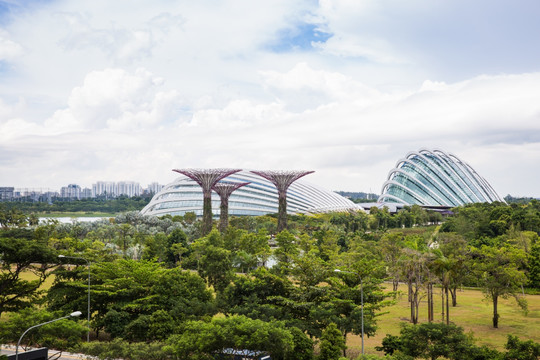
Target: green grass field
(473,313)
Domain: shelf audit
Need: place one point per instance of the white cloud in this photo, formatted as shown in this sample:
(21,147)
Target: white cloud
(129,90)
(123,44)
(116,99)
(9,49)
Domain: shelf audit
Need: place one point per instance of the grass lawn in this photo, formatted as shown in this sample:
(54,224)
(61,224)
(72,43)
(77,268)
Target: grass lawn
(46,284)
(473,313)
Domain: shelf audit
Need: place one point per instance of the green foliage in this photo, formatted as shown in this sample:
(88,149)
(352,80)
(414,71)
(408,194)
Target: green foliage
(254,296)
(332,343)
(121,349)
(430,341)
(302,346)
(500,275)
(351,222)
(147,297)
(61,334)
(177,247)
(124,290)
(521,350)
(213,260)
(248,249)
(117,205)
(489,220)
(534,266)
(285,252)
(11,217)
(201,340)
(17,256)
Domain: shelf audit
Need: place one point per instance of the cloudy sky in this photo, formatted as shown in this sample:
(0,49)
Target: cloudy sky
(128,90)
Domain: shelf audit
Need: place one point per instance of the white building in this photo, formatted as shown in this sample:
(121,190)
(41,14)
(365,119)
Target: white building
(72,191)
(258,197)
(112,189)
(154,188)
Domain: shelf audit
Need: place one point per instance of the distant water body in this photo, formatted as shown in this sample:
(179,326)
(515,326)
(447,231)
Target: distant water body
(69,220)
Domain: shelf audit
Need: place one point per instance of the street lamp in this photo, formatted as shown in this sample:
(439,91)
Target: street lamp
(88,262)
(73,314)
(361,301)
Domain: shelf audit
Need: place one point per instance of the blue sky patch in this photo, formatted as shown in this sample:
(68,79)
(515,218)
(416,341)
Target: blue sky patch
(11,8)
(300,37)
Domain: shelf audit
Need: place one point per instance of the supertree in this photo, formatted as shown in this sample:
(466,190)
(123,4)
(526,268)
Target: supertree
(282,180)
(224,190)
(207,178)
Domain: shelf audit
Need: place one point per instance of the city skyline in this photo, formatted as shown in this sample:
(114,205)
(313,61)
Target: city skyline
(113,90)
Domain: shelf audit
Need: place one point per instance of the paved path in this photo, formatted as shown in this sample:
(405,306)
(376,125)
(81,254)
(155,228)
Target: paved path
(10,350)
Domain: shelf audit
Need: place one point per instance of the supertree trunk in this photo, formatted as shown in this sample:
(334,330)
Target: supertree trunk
(282,180)
(282,212)
(207,178)
(224,190)
(223,215)
(207,212)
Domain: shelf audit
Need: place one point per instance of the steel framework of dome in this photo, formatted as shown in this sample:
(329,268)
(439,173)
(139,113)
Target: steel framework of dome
(435,178)
(259,197)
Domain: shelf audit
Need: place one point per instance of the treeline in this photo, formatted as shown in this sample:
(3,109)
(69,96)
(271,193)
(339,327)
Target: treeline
(162,291)
(113,206)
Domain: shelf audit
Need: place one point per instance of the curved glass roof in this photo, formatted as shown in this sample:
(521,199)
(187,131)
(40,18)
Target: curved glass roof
(260,197)
(435,178)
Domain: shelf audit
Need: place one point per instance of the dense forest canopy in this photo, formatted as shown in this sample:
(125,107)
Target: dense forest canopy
(160,288)
(116,205)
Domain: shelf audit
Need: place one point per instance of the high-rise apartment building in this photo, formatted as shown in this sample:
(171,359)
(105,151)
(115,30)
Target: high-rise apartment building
(103,188)
(154,188)
(72,191)
(6,193)
(112,189)
(86,193)
(128,188)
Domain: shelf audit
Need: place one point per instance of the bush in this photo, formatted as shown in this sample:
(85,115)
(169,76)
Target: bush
(121,349)
(62,334)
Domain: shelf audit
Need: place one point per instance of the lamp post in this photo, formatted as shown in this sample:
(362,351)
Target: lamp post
(88,262)
(361,301)
(73,314)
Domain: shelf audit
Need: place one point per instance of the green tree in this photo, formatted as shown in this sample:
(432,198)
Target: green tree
(60,334)
(430,341)
(454,249)
(19,256)
(254,295)
(354,293)
(124,290)
(177,246)
(215,264)
(203,340)
(155,247)
(390,246)
(534,266)
(121,349)
(285,252)
(11,217)
(499,273)
(302,346)
(332,343)
(521,350)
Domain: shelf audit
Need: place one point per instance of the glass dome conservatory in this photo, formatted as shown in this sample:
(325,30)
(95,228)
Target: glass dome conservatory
(435,178)
(259,197)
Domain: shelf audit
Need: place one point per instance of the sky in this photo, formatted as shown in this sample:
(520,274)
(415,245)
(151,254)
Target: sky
(128,90)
